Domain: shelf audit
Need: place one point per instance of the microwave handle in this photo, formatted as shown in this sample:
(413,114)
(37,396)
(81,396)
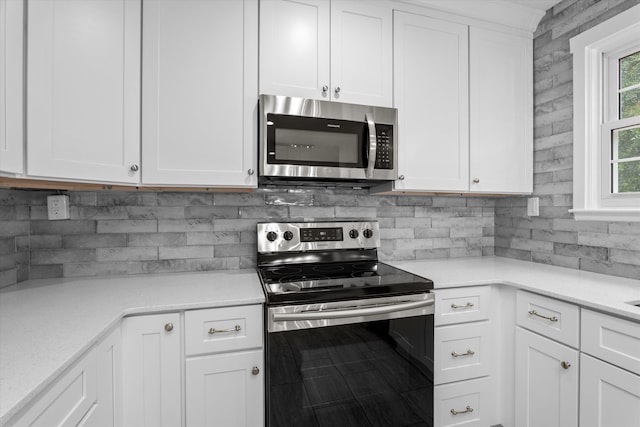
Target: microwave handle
(373,146)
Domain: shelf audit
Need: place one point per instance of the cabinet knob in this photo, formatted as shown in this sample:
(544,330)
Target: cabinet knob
(134,168)
(401,177)
(251,172)
(325,89)
(476,180)
(565,365)
(168,327)
(337,90)
(255,370)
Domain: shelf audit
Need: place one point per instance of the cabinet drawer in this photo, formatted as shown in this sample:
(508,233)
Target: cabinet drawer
(223,329)
(555,319)
(70,398)
(615,340)
(464,403)
(462,352)
(458,305)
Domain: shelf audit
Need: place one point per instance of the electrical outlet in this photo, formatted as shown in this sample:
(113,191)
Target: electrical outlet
(533,206)
(58,207)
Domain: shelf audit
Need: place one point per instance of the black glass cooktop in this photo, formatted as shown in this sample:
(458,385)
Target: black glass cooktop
(308,283)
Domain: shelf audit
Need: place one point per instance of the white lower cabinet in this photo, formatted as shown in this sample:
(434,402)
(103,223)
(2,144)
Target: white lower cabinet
(202,367)
(69,400)
(609,396)
(546,382)
(151,370)
(463,351)
(225,390)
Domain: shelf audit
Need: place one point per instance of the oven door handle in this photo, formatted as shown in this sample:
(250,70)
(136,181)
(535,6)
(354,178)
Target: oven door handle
(352,312)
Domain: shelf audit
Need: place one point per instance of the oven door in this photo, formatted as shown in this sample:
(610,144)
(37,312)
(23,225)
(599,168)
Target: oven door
(365,362)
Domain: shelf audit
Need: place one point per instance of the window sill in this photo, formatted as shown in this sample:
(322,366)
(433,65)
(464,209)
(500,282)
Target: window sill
(608,214)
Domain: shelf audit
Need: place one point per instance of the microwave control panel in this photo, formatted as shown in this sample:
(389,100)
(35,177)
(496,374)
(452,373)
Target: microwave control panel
(384,150)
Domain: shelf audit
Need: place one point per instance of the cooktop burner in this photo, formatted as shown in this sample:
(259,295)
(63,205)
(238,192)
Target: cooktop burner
(340,281)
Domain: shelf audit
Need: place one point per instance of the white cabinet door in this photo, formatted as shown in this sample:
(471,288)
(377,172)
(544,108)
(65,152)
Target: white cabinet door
(225,390)
(69,402)
(199,92)
(294,48)
(109,410)
(546,393)
(609,396)
(83,97)
(361,55)
(431,95)
(11,86)
(151,363)
(501,112)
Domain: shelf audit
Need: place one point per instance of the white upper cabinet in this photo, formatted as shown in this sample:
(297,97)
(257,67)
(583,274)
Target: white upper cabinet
(11,86)
(431,95)
(501,112)
(465,107)
(83,90)
(328,50)
(199,92)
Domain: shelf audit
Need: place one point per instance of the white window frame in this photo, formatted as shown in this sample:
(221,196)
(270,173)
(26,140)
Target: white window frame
(593,118)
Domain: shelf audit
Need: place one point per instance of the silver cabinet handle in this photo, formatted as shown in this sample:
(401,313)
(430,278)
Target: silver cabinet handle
(236,328)
(565,365)
(325,89)
(255,370)
(373,146)
(467,353)
(467,305)
(134,168)
(476,180)
(551,319)
(467,410)
(337,90)
(401,177)
(251,172)
(168,327)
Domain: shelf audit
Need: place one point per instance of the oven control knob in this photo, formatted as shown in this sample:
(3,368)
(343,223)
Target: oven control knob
(288,235)
(367,233)
(271,236)
(353,234)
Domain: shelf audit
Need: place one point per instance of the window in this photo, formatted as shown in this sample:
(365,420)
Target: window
(606,63)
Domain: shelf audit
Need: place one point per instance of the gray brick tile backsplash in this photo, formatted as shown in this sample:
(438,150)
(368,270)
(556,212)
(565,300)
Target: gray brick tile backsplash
(609,248)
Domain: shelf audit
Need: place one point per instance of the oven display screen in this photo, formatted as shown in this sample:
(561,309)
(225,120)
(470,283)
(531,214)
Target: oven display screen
(321,234)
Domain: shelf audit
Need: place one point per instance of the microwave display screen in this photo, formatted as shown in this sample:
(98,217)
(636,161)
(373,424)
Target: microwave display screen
(297,145)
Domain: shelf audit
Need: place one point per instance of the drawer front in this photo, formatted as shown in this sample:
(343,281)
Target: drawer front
(464,403)
(70,398)
(552,318)
(459,305)
(223,329)
(462,352)
(608,338)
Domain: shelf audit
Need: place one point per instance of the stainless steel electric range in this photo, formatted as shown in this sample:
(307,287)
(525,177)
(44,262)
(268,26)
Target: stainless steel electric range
(349,339)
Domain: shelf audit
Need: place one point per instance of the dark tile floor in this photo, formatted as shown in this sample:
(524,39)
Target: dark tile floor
(345,376)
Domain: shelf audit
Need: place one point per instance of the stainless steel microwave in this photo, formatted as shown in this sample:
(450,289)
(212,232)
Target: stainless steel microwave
(310,141)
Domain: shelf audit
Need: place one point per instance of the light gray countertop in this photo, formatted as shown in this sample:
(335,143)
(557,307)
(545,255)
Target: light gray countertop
(46,325)
(598,291)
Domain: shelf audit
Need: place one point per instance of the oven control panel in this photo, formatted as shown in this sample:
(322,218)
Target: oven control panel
(308,236)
